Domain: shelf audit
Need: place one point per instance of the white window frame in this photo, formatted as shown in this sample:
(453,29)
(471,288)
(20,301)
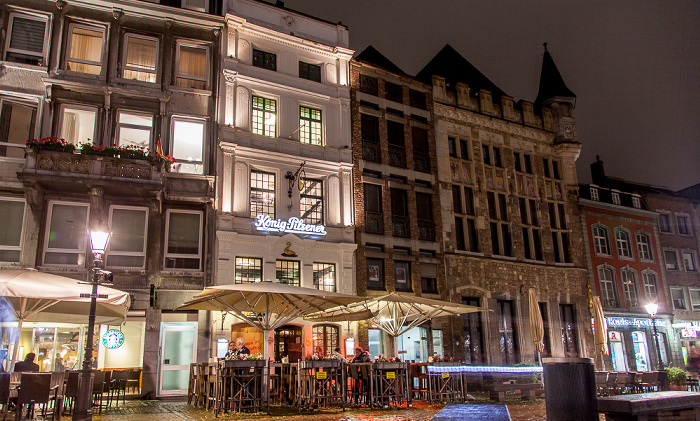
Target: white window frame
(192,44)
(692,303)
(602,269)
(644,247)
(597,240)
(134,69)
(101,63)
(204,9)
(134,126)
(615,198)
(29,16)
(623,244)
(21,235)
(78,108)
(167,255)
(20,102)
(188,119)
(692,258)
(675,252)
(594,194)
(628,280)
(645,278)
(110,252)
(322,140)
(686,218)
(685,298)
(47,233)
(636,202)
(670,225)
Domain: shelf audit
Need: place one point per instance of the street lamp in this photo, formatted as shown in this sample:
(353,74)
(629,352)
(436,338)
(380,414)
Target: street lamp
(652,309)
(83,400)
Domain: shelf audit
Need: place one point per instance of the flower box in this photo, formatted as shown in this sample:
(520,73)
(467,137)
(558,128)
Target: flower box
(244,363)
(389,366)
(319,364)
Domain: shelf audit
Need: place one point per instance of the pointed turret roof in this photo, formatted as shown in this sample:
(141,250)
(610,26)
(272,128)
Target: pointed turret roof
(370,55)
(449,64)
(551,83)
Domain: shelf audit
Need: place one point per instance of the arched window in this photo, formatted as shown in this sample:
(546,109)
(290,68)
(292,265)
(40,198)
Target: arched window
(325,339)
(600,239)
(608,286)
(629,287)
(644,246)
(622,241)
(650,285)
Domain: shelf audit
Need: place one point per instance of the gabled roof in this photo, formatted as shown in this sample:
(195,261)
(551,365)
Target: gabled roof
(370,55)
(551,83)
(449,64)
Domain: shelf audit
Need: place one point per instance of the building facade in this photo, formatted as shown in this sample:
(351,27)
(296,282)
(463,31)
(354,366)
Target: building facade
(115,80)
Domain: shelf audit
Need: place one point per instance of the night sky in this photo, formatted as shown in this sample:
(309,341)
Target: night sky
(634,66)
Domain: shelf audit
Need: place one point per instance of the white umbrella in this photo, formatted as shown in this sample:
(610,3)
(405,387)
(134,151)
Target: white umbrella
(395,313)
(38,296)
(601,331)
(267,305)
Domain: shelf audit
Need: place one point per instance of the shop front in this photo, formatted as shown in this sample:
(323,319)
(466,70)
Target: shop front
(632,344)
(687,335)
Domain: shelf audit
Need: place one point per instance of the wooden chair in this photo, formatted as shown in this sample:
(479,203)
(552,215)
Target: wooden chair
(650,381)
(611,384)
(98,388)
(419,382)
(601,382)
(211,385)
(71,391)
(192,386)
(35,388)
(133,380)
(4,392)
(118,385)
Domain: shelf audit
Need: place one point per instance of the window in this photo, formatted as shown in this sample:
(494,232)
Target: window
(140,58)
(192,65)
(424,213)
(262,194)
(600,240)
(629,288)
(198,5)
(560,233)
(608,287)
(665,223)
(324,276)
(78,124)
(248,269)
(622,240)
(183,240)
(311,202)
(399,213)
(616,198)
(678,299)
(403,278)
(288,272)
(417,99)
(507,333)
(369,85)
(650,286)
(12,211)
(264,116)
(375,274)
(500,228)
(551,170)
(644,246)
(188,145)
(594,194)
(134,129)
(127,245)
(568,330)
(683,225)
(531,232)
(397,146)
(394,92)
(428,278)
(325,339)
(16,126)
(694,299)
(671,259)
(421,149)
(309,71)
(66,234)
(370,138)
(85,49)
(265,60)
(492,155)
(473,335)
(636,203)
(26,42)
(310,126)
(374,220)
(523,162)
(689,261)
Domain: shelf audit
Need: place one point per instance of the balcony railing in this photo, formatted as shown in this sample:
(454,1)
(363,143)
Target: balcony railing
(400,226)
(371,152)
(421,162)
(374,224)
(397,157)
(426,230)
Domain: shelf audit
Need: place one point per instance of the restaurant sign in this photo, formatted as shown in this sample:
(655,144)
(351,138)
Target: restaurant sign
(292,225)
(113,339)
(632,322)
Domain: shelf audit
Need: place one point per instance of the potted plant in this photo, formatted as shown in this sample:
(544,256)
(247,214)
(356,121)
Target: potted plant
(676,378)
(526,378)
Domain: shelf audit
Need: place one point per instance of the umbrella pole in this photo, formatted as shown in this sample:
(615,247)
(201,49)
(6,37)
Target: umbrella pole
(16,347)
(539,357)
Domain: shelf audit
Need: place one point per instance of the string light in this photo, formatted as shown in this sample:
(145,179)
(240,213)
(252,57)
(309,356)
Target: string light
(482,369)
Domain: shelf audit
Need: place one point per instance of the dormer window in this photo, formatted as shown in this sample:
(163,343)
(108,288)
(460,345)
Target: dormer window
(616,198)
(594,194)
(636,202)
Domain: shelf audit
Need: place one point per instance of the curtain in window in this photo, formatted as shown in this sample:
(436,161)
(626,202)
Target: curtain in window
(141,54)
(86,46)
(191,67)
(69,132)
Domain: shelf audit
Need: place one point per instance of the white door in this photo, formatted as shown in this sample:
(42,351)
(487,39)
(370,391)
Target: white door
(178,349)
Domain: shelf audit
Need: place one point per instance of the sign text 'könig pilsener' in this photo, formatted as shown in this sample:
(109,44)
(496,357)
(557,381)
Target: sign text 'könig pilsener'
(292,225)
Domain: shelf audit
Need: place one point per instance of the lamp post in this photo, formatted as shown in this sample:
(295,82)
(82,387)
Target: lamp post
(652,309)
(83,400)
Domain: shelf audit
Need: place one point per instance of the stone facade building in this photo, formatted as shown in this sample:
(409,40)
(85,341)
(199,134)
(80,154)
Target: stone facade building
(509,202)
(109,74)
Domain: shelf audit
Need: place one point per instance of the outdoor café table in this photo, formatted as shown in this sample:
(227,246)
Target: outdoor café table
(673,405)
(390,384)
(321,384)
(445,382)
(242,386)
(287,372)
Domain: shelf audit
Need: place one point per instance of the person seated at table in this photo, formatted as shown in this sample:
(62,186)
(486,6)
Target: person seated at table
(337,355)
(241,349)
(231,349)
(361,356)
(28,364)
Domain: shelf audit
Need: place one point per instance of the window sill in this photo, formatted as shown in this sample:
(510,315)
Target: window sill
(609,256)
(182,272)
(469,253)
(134,82)
(535,261)
(568,265)
(21,66)
(195,91)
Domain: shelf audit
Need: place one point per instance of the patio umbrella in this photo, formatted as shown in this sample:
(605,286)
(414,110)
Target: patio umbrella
(395,313)
(601,331)
(536,325)
(267,305)
(39,296)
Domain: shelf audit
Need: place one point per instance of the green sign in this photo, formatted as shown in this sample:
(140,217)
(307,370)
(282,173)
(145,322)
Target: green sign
(113,339)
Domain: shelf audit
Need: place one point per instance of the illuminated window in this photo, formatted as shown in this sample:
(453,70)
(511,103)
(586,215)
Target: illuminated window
(140,58)
(264,116)
(262,194)
(248,269)
(325,339)
(85,49)
(311,202)
(310,131)
(288,272)
(78,124)
(127,245)
(188,145)
(134,129)
(192,65)
(324,276)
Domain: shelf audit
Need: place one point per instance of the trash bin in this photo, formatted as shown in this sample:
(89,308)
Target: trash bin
(570,390)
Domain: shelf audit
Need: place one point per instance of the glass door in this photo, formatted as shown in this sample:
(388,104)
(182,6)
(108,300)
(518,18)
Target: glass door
(641,352)
(178,348)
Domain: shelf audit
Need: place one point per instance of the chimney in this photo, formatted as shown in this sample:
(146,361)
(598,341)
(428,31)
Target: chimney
(598,172)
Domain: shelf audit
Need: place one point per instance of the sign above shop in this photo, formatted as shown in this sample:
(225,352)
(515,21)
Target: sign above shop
(632,322)
(113,339)
(292,225)
(689,333)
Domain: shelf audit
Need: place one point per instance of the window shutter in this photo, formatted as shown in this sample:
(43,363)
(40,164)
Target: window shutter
(28,35)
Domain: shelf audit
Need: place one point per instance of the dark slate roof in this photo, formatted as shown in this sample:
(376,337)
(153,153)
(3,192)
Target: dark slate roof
(449,64)
(370,55)
(551,83)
